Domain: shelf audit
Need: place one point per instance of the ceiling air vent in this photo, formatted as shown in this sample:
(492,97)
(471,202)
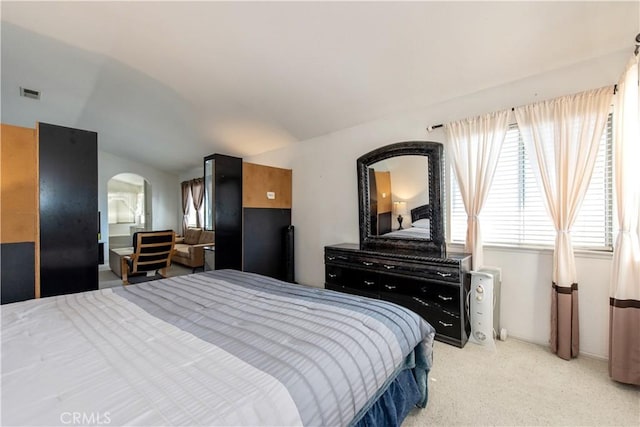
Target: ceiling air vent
(29,93)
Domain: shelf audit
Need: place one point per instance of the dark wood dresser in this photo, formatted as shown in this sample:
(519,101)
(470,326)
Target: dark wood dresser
(435,288)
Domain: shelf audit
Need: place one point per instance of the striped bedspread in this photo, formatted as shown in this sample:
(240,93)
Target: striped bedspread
(216,348)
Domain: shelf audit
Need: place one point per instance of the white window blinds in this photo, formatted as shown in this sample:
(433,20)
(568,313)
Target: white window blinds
(514,213)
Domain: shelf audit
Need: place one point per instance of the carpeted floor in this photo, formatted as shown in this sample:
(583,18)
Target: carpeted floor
(522,384)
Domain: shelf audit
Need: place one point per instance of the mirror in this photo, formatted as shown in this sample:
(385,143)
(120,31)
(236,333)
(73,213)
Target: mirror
(209,193)
(400,197)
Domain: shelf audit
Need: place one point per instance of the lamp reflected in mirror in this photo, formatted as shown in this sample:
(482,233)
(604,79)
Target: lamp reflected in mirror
(400,209)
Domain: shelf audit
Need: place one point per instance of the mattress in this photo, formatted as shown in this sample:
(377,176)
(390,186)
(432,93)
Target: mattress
(410,233)
(215,348)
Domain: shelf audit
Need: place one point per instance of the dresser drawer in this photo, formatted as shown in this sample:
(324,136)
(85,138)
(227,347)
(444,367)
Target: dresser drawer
(353,260)
(445,296)
(410,268)
(417,269)
(362,280)
(445,322)
(353,291)
(440,295)
(332,256)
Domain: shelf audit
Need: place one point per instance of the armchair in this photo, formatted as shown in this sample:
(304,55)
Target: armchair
(152,251)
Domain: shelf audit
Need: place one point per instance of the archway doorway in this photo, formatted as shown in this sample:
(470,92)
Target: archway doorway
(129,208)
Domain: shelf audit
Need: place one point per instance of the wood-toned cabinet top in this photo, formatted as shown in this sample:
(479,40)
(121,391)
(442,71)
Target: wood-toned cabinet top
(19,207)
(258,180)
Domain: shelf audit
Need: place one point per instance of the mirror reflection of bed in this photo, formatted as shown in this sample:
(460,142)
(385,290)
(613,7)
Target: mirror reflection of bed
(419,227)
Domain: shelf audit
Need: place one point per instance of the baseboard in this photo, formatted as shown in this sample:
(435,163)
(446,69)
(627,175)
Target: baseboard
(546,344)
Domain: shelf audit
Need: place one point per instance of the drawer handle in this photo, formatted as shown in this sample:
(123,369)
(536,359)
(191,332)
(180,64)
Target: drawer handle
(331,258)
(446,325)
(333,276)
(390,287)
(443,274)
(389,267)
(422,302)
(368,264)
(454,315)
(443,298)
(342,257)
(369,283)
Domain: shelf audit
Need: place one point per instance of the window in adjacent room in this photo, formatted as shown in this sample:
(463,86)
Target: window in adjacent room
(126,198)
(514,213)
(192,214)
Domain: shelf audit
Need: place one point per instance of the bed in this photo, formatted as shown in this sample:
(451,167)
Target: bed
(420,227)
(215,348)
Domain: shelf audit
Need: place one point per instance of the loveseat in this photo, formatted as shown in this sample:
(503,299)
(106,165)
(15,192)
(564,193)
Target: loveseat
(189,250)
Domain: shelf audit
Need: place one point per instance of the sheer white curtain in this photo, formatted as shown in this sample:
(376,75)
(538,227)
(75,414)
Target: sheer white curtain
(197,195)
(474,147)
(624,301)
(185,205)
(564,135)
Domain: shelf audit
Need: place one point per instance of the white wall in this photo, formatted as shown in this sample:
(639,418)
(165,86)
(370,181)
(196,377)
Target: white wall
(197,172)
(163,191)
(325,204)
(526,295)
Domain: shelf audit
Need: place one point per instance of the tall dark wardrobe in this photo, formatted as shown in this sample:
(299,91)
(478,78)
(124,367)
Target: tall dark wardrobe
(49,213)
(249,207)
(68,210)
(223,208)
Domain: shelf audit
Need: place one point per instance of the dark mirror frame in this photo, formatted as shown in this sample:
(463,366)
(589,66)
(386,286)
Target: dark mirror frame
(435,154)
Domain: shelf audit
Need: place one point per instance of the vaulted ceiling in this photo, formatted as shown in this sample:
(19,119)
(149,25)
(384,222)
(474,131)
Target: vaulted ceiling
(169,82)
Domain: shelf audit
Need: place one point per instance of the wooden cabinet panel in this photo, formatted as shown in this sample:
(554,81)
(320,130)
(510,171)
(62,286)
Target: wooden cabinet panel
(19,234)
(17,272)
(259,179)
(383,190)
(266,220)
(19,179)
(18,226)
(252,231)
(264,241)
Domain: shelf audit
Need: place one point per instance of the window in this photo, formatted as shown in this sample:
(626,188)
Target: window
(191,211)
(126,194)
(514,213)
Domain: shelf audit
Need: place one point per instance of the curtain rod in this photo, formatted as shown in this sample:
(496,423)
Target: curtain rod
(430,128)
(615,87)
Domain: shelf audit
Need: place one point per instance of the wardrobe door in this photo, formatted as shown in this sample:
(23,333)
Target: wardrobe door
(265,247)
(68,210)
(18,214)
(227,182)
(266,199)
